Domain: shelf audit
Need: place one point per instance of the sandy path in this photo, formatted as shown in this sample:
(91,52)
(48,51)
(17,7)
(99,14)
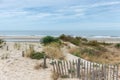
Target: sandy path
(22,69)
(17,67)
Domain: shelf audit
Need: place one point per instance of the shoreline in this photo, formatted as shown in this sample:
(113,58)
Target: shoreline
(37,39)
(21,38)
(106,40)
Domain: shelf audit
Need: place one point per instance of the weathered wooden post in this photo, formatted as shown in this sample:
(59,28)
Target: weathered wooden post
(7,48)
(44,64)
(117,76)
(78,69)
(23,54)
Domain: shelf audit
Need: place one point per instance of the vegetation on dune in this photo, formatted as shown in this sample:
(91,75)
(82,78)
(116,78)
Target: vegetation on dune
(89,50)
(1,42)
(92,54)
(93,43)
(37,55)
(17,46)
(49,39)
(75,41)
(53,50)
(52,47)
(31,53)
(117,45)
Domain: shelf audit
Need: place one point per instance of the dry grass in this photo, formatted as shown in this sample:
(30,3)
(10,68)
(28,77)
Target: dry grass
(111,56)
(29,51)
(73,49)
(17,46)
(5,56)
(53,50)
(55,76)
(39,66)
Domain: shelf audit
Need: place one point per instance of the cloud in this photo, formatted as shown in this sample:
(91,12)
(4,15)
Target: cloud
(105,4)
(12,13)
(51,10)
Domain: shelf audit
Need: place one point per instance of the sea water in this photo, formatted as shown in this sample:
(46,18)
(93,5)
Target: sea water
(82,33)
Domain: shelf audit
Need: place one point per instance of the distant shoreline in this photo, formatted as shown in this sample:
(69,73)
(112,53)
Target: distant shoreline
(21,38)
(37,39)
(106,40)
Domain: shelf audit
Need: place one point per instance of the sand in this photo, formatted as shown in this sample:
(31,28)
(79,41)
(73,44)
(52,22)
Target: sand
(38,38)
(107,40)
(16,67)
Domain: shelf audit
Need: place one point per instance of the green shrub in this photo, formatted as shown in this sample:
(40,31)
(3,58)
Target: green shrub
(100,48)
(37,55)
(1,41)
(105,44)
(77,54)
(49,39)
(74,40)
(93,43)
(88,51)
(117,45)
(65,38)
(64,76)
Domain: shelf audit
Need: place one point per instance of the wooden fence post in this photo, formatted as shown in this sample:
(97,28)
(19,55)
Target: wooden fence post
(78,69)
(44,65)
(117,76)
(23,54)
(7,48)
(85,70)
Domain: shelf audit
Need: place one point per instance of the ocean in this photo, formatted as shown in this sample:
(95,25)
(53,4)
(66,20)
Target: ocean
(82,33)
(90,34)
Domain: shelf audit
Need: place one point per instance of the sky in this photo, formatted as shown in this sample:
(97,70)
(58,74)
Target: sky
(59,14)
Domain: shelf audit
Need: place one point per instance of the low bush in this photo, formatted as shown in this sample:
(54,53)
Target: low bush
(74,40)
(49,39)
(88,51)
(93,43)
(1,41)
(117,45)
(105,44)
(37,55)
(101,49)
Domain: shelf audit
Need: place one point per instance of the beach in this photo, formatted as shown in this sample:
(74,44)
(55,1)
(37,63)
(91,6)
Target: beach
(38,38)
(17,67)
(106,40)
(21,38)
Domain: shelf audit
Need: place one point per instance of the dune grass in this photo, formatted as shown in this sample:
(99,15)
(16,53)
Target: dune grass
(91,50)
(53,50)
(2,43)
(17,46)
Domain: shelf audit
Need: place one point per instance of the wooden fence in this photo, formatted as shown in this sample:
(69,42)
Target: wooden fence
(85,70)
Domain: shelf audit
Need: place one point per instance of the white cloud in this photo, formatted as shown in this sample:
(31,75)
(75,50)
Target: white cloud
(12,13)
(39,16)
(105,4)
(12,8)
